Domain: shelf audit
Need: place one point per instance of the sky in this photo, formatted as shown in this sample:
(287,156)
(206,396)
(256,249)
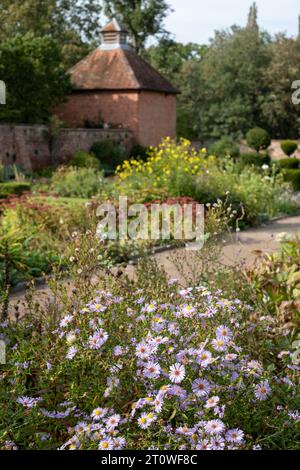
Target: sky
(196,20)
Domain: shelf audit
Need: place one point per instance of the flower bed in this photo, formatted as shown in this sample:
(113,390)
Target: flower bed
(156,368)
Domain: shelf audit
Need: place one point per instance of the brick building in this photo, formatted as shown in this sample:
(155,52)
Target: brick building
(115,82)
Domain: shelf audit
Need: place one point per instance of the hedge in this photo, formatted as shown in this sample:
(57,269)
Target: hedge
(257,159)
(10,188)
(292,176)
(289,163)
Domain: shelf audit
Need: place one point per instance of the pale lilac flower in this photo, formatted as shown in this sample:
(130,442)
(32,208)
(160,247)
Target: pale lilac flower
(118,351)
(72,351)
(144,350)
(152,370)
(219,344)
(28,402)
(217,443)
(113,421)
(201,387)
(224,333)
(235,436)
(81,427)
(262,390)
(187,311)
(119,443)
(98,339)
(66,320)
(149,308)
(204,358)
(203,445)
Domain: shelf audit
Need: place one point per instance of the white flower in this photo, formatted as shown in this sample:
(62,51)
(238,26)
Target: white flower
(177,373)
(145,420)
(98,413)
(106,444)
(215,426)
(219,344)
(212,402)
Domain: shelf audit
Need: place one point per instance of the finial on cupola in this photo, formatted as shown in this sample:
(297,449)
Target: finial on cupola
(113,36)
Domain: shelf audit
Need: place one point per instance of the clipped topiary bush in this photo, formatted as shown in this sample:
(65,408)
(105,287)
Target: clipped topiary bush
(225,147)
(292,176)
(289,163)
(289,147)
(12,187)
(256,159)
(85,160)
(109,154)
(258,139)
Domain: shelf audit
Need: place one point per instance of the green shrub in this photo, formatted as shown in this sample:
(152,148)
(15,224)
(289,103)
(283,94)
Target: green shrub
(225,147)
(292,176)
(76,182)
(258,139)
(289,163)
(12,187)
(257,159)
(139,152)
(46,172)
(109,154)
(85,160)
(289,147)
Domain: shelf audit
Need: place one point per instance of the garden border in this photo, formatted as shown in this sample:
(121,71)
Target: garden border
(42,281)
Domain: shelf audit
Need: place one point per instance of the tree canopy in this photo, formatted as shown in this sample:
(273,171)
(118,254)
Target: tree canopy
(143,18)
(35,78)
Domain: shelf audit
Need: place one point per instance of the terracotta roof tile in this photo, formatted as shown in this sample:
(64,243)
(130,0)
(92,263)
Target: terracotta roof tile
(117,69)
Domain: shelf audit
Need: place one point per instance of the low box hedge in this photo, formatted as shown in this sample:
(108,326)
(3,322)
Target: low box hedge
(289,163)
(10,188)
(256,159)
(292,176)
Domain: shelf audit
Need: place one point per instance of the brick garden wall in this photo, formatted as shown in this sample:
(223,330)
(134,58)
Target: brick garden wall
(33,147)
(114,108)
(151,116)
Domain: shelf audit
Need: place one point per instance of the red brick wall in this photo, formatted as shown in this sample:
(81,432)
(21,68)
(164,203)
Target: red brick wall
(157,117)
(115,108)
(151,116)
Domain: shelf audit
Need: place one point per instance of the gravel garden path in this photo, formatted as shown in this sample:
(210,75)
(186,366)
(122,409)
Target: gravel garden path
(240,249)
